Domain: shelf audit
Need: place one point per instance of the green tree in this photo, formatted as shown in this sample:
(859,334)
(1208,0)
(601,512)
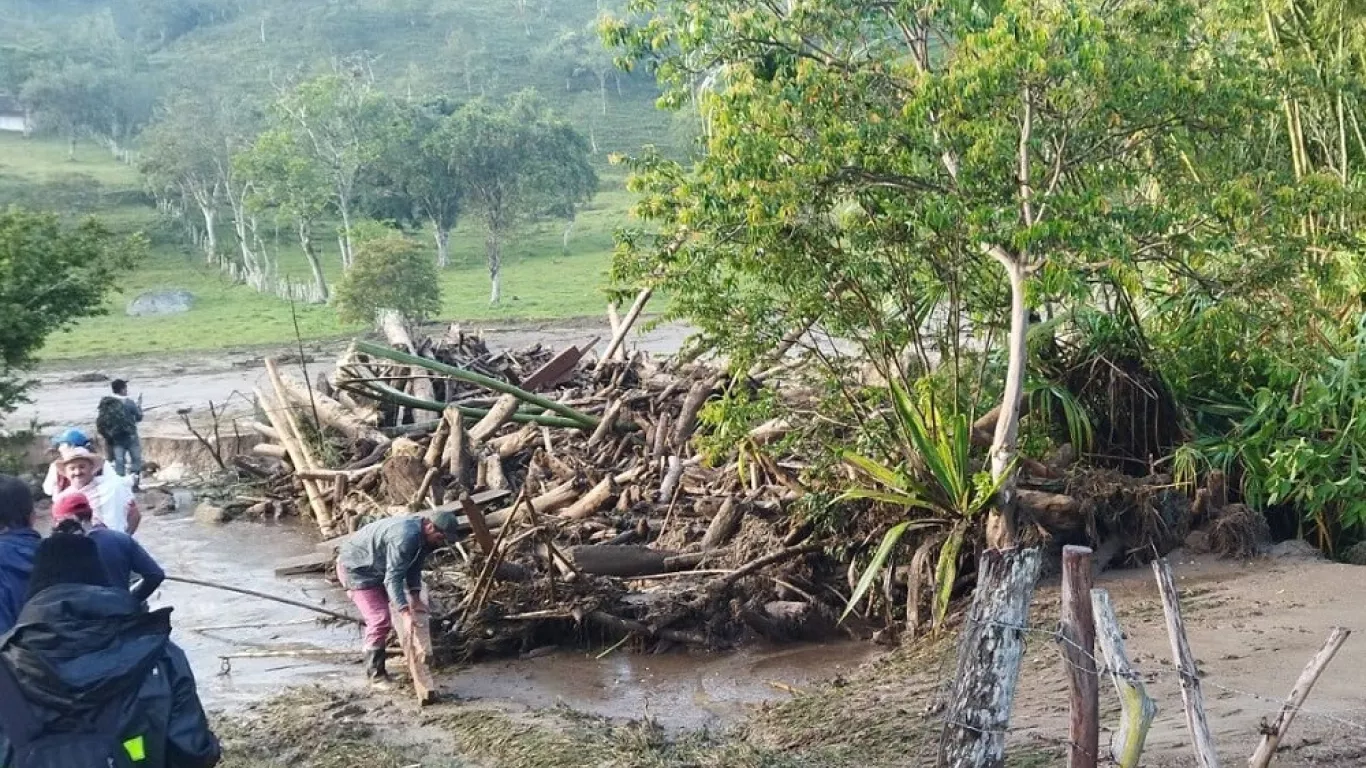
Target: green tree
(51,275)
(285,179)
(390,272)
(187,152)
(338,123)
(413,174)
(516,162)
(868,164)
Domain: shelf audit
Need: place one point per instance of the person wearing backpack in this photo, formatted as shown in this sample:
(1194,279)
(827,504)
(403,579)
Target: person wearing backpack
(88,679)
(117,422)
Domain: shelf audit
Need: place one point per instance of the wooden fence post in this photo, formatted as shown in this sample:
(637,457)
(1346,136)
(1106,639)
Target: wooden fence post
(1272,734)
(1137,710)
(1191,696)
(989,656)
(1078,637)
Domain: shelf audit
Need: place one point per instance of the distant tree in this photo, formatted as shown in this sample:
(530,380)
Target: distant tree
(77,100)
(65,100)
(187,152)
(286,180)
(415,180)
(51,275)
(390,272)
(578,52)
(338,123)
(516,162)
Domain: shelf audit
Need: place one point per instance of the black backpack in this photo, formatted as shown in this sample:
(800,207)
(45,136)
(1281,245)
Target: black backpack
(113,421)
(89,744)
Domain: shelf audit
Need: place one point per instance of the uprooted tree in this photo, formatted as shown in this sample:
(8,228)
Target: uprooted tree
(918,179)
(51,275)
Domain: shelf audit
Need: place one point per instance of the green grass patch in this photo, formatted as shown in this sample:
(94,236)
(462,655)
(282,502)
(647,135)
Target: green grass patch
(542,278)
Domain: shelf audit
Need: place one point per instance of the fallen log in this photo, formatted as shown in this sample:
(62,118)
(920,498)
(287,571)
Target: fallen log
(497,416)
(328,411)
(590,502)
(619,337)
(724,524)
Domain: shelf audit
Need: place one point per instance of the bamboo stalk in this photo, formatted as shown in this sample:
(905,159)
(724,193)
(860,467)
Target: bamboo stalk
(470,377)
(384,392)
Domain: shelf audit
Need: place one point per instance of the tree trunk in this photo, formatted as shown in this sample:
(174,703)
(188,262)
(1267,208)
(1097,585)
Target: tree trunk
(345,240)
(210,233)
(443,246)
(71,147)
(602,91)
(989,656)
(1002,525)
(493,247)
(306,240)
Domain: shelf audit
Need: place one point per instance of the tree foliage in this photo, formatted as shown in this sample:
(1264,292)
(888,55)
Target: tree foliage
(907,175)
(390,272)
(516,162)
(51,275)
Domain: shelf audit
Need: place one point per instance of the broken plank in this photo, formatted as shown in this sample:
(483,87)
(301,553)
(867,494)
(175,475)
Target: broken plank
(556,370)
(416,641)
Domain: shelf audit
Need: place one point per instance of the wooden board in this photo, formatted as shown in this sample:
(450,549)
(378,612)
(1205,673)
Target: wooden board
(317,562)
(557,369)
(416,640)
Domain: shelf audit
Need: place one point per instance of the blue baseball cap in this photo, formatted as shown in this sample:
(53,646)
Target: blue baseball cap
(72,436)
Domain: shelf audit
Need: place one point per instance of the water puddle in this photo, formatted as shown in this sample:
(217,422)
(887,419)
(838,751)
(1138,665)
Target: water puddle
(679,690)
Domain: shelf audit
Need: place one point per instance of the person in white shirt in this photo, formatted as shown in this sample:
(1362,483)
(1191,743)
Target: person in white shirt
(110,495)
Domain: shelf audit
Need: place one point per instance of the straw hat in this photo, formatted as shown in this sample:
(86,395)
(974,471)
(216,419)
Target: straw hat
(69,453)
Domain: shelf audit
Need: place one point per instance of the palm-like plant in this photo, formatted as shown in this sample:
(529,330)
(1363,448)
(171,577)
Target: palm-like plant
(939,491)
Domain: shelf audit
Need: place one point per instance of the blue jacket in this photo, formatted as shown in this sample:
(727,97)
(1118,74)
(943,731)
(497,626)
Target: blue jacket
(16,563)
(388,553)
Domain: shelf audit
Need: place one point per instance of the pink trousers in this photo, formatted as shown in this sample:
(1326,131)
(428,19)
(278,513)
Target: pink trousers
(373,605)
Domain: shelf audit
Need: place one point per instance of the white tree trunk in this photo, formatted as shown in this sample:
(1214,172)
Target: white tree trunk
(306,241)
(494,248)
(443,246)
(344,242)
(210,233)
(1002,525)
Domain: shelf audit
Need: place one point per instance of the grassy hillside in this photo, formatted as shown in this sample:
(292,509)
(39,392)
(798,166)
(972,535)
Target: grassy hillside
(540,281)
(419,48)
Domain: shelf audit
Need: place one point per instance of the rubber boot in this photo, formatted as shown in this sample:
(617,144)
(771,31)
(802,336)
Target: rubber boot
(374,668)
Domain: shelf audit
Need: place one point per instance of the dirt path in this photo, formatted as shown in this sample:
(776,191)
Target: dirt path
(68,391)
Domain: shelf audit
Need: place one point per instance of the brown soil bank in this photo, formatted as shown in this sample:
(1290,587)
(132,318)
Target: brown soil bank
(1252,626)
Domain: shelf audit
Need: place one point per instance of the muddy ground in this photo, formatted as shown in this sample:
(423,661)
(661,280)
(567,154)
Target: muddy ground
(1252,626)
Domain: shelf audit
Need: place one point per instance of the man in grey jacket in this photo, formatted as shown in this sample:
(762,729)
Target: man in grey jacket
(382,564)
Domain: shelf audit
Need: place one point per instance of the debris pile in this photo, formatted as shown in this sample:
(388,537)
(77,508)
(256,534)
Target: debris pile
(591,514)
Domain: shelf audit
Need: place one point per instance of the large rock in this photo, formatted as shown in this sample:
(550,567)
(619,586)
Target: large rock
(1294,549)
(154,303)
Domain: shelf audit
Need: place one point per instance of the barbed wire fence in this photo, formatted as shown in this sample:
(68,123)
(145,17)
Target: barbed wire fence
(1350,723)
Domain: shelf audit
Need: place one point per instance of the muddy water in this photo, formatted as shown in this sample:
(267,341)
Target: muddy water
(680,691)
(210,623)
